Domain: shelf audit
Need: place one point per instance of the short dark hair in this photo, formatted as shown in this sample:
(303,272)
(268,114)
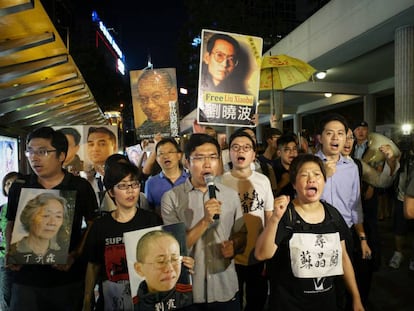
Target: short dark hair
(113,158)
(103,130)
(285,139)
(198,140)
(269,132)
(241,134)
(246,128)
(8,176)
(57,139)
(118,171)
(299,161)
(167,140)
(332,117)
(73,132)
(218,36)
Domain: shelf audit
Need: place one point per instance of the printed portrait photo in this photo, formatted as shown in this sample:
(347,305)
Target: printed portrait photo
(43,225)
(155,266)
(155,102)
(229,78)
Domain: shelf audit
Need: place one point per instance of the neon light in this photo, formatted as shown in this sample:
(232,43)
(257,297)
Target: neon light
(110,39)
(196,41)
(120,66)
(105,31)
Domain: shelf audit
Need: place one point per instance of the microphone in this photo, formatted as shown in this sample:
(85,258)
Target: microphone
(209,179)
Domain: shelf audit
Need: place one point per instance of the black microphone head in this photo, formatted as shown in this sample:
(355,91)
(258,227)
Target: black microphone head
(209,179)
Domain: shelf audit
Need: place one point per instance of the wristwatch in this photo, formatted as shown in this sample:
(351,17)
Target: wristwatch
(363,238)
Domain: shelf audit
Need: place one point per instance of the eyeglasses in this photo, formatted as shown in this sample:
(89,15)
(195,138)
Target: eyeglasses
(155,98)
(221,57)
(160,154)
(162,263)
(125,186)
(203,159)
(350,138)
(40,153)
(245,148)
(290,150)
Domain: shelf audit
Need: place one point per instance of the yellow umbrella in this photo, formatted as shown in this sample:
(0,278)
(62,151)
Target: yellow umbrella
(282,71)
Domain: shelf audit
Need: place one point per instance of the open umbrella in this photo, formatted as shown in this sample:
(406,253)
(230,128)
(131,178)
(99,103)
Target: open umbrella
(279,72)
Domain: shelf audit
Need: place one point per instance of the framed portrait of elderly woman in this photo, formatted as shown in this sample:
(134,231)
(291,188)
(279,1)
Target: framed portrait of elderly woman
(42,228)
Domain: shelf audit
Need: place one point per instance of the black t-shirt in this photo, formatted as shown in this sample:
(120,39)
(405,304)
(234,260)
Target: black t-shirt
(105,246)
(86,204)
(279,171)
(292,293)
(106,235)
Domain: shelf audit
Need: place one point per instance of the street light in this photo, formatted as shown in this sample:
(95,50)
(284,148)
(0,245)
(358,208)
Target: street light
(321,75)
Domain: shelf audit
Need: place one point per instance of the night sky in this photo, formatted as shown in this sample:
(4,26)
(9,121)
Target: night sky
(144,27)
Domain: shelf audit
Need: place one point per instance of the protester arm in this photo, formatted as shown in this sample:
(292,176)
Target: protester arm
(266,246)
(92,271)
(149,163)
(409,207)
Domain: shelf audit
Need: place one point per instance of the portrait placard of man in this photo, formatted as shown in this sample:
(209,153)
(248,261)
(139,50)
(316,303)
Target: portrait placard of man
(74,158)
(154,98)
(229,78)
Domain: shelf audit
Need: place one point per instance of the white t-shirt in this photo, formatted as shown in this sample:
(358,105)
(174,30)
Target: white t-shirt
(256,197)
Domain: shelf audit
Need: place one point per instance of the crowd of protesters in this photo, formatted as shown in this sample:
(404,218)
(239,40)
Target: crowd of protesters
(250,226)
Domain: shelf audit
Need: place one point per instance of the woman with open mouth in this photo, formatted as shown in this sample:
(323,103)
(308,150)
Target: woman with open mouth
(305,242)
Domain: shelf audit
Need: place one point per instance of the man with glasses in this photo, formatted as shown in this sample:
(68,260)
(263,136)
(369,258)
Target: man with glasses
(169,156)
(215,226)
(51,287)
(157,97)
(220,60)
(255,195)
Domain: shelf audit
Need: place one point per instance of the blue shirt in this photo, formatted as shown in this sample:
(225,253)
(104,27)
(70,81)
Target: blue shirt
(342,190)
(359,150)
(157,185)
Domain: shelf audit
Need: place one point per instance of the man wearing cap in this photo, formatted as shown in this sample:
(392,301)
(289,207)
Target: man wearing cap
(370,201)
(361,135)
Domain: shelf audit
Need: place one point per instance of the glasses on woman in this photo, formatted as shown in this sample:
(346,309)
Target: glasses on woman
(125,186)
